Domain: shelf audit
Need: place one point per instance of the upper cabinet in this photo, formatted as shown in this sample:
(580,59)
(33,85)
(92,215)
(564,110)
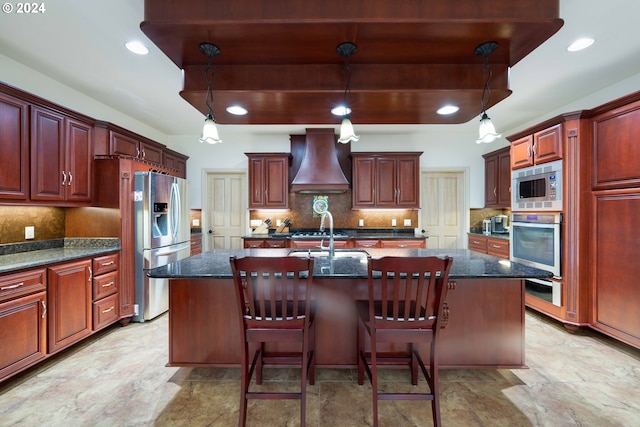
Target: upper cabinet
(386,180)
(61,157)
(268,180)
(541,147)
(497,179)
(112,140)
(14,148)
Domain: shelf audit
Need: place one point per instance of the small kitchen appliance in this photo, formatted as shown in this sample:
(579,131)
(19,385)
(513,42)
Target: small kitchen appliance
(499,224)
(486,226)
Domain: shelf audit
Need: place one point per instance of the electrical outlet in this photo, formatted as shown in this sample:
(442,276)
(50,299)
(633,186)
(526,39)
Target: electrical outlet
(196,222)
(29,232)
(278,223)
(361,223)
(255,222)
(407,222)
(393,222)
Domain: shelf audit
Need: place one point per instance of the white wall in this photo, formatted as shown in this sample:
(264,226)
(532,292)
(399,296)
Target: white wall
(29,80)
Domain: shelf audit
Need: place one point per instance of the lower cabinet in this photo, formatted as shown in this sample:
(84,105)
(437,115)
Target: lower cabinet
(489,245)
(311,244)
(23,321)
(196,244)
(403,244)
(105,291)
(45,310)
(265,243)
(70,309)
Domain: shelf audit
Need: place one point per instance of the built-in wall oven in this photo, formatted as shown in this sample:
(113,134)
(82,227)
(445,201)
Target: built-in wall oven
(536,240)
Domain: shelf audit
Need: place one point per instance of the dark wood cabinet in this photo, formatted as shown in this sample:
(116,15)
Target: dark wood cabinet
(119,173)
(315,244)
(489,245)
(174,160)
(497,179)
(126,145)
(386,180)
(196,244)
(403,243)
(70,311)
(268,180)
(540,147)
(264,243)
(105,290)
(14,148)
(61,157)
(23,320)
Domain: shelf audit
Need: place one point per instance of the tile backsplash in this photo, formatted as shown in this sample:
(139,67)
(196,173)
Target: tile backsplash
(477,215)
(301,213)
(48,223)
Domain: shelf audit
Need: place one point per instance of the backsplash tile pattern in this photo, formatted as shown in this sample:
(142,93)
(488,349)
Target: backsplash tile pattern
(477,215)
(301,213)
(48,222)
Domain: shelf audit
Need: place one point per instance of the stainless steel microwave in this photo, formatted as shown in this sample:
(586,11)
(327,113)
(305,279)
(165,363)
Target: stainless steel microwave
(537,188)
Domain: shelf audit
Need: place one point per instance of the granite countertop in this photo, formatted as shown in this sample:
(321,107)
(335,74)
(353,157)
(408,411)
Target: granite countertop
(466,264)
(17,256)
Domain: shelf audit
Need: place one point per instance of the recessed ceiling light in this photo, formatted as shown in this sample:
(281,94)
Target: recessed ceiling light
(447,109)
(237,110)
(580,44)
(137,47)
(340,110)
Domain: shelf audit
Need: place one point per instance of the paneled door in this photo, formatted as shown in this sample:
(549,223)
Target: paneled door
(445,212)
(225,217)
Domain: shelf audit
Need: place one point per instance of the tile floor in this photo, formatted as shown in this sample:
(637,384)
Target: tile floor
(118,378)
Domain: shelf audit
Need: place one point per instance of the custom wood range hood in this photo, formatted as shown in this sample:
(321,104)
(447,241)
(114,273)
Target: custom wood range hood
(278,58)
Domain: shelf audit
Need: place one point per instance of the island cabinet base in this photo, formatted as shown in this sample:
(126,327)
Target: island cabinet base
(485,330)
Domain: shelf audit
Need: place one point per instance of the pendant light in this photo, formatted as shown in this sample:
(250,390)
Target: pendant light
(209,131)
(487,132)
(347,134)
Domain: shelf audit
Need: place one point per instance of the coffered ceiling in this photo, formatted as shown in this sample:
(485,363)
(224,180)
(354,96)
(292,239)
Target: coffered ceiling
(279,60)
(80,45)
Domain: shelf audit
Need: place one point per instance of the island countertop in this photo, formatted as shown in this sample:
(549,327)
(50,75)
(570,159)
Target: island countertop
(466,264)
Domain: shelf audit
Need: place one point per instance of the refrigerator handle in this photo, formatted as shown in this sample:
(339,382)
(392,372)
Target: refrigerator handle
(175,210)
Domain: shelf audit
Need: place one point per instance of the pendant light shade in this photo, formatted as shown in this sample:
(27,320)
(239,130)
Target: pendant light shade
(347,134)
(487,131)
(209,130)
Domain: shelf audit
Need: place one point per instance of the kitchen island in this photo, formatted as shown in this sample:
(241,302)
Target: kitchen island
(486,303)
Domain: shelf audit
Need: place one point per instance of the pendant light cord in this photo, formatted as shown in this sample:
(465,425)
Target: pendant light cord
(486,90)
(209,97)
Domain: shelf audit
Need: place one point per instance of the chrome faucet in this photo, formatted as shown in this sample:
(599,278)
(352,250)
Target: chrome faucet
(331,247)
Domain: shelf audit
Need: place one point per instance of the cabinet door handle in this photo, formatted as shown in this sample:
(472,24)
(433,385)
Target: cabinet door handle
(106,285)
(528,151)
(104,264)
(17,285)
(64,178)
(108,310)
(90,274)
(497,246)
(494,191)
(70,178)
(475,242)
(137,152)
(44,309)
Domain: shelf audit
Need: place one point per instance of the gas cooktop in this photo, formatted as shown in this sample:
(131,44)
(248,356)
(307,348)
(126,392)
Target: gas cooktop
(318,235)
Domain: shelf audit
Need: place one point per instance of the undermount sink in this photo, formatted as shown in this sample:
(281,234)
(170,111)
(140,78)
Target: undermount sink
(314,253)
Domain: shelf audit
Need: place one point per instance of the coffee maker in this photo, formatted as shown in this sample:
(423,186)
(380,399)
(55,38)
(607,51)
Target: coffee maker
(499,224)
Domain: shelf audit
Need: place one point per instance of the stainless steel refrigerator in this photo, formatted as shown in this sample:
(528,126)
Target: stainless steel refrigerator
(162,236)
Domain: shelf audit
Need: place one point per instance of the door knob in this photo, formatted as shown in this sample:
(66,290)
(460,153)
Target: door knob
(210,231)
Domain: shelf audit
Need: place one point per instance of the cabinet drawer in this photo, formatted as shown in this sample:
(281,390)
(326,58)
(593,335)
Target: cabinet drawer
(16,285)
(478,244)
(105,264)
(374,243)
(271,243)
(105,312)
(105,285)
(403,244)
(497,247)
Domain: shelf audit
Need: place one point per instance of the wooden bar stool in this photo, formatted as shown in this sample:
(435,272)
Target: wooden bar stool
(274,302)
(406,305)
